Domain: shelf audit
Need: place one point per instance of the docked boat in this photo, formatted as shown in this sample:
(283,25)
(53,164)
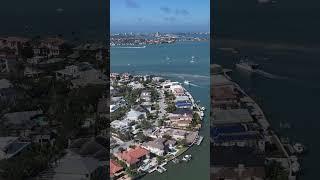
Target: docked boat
(199,140)
(201,114)
(247,66)
(186,82)
(203,108)
(187,158)
(299,148)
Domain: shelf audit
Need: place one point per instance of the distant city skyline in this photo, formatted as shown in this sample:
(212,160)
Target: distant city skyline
(159,16)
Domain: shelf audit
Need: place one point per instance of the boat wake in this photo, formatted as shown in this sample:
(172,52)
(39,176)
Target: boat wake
(191,84)
(269,75)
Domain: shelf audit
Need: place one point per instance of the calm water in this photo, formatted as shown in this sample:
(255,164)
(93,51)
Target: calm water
(293,98)
(173,62)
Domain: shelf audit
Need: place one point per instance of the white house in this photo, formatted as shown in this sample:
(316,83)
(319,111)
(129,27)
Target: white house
(157,146)
(135,115)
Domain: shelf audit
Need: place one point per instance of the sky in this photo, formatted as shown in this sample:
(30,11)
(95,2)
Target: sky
(159,15)
(86,18)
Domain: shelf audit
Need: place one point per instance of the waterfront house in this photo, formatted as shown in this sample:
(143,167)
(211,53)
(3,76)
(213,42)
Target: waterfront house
(176,134)
(184,104)
(231,116)
(181,114)
(224,97)
(235,162)
(156,146)
(115,169)
(180,118)
(177,90)
(133,156)
(182,98)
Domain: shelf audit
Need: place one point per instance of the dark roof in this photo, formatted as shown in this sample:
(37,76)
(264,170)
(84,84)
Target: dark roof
(232,156)
(140,108)
(182,111)
(235,128)
(183,103)
(236,137)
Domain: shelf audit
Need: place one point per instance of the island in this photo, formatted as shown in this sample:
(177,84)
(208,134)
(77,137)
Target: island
(153,121)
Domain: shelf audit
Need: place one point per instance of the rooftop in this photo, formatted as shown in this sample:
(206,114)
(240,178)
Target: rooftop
(231,116)
(131,156)
(114,167)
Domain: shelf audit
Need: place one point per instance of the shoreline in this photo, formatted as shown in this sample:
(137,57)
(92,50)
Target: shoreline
(198,109)
(291,158)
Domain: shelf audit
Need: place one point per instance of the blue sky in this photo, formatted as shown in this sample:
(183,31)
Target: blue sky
(159,15)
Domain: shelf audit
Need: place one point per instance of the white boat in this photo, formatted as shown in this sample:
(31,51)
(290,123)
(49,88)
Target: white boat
(186,82)
(203,108)
(199,140)
(192,60)
(299,148)
(201,113)
(247,65)
(187,158)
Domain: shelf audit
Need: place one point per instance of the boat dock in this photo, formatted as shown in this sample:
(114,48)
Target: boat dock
(161,168)
(199,140)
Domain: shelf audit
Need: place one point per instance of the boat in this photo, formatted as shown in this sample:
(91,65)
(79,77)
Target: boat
(199,140)
(203,108)
(192,60)
(186,82)
(247,65)
(299,148)
(285,125)
(187,158)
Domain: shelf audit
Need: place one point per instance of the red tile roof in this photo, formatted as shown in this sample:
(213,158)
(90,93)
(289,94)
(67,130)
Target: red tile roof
(114,167)
(132,156)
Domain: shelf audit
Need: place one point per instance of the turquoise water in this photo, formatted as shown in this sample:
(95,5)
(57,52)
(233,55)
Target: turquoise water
(173,62)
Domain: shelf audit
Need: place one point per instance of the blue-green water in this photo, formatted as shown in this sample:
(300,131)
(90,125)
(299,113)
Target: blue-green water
(173,61)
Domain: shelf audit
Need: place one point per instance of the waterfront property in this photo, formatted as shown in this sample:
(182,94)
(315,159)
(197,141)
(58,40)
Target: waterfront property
(242,144)
(152,121)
